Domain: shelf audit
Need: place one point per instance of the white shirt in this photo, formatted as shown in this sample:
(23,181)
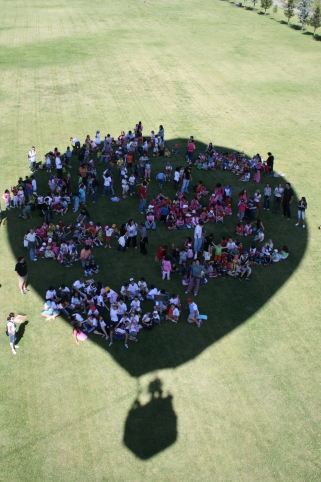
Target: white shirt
(58,163)
(113,314)
(153,292)
(32,155)
(50,294)
(121,308)
(175,312)
(135,305)
(107,181)
(78,285)
(198,232)
(133,288)
(34,185)
(31,237)
(78,317)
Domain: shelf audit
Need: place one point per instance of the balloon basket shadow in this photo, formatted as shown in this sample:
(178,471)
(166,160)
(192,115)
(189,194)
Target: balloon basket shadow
(152,427)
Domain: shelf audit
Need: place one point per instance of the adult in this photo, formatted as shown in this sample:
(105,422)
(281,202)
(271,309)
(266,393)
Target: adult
(32,156)
(258,167)
(21,271)
(58,165)
(278,194)
(94,186)
(302,206)
(79,197)
(142,195)
(75,142)
(190,150)
(11,330)
(131,233)
(187,177)
(31,238)
(198,232)
(107,182)
(85,255)
(161,133)
(143,239)
(196,274)
(288,195)
(193,312)
(267,197)
(270,163)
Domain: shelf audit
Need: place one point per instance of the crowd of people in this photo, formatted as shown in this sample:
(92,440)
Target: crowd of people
(129,158)
(85,305)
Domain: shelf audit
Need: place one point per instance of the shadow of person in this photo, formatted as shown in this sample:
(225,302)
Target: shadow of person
(21,331)
(151,428)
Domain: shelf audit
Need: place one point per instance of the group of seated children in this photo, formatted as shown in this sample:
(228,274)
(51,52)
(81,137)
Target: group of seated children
(86,303)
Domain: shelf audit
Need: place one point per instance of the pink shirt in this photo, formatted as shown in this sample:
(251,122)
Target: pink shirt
(166,265)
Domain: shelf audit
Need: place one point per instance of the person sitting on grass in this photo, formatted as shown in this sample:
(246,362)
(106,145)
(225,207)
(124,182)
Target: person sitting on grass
(135,305)
(245,269)
(78,334)
(119,333)
(50,311)
(173,313)
(147,322)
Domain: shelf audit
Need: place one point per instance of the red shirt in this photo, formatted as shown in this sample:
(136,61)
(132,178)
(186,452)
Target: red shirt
(142,192)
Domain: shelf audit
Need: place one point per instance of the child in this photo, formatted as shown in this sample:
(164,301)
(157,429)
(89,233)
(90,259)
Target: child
(166,268)
(48,163)
(108,233)
(125,187)
(239,230)
(147,171)
(87,269)
(7,198)
(14,191)
(93,267)
(176,149)
(168,171)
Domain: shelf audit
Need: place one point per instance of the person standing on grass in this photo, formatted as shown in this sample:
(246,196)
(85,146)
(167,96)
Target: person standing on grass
(31,238)
(287,200)
(302,206)
(11,330)
(198,231)
(142,195)
(270,164)
(267,197)
(21,271)
(196,274)
(166,268)
(190,150)
(278,193)
(32,158)
(143,239)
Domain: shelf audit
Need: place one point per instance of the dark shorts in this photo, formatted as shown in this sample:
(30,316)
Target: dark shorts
(118,336)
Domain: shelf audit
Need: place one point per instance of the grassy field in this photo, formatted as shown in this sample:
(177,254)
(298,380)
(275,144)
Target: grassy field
(238,400)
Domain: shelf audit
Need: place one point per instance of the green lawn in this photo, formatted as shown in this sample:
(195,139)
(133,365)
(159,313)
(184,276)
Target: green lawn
(240,398)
